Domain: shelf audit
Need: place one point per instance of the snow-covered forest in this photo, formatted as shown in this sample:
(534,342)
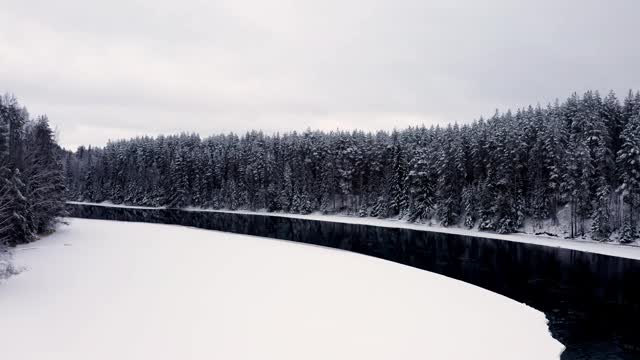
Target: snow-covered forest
(580,156)
(32,185)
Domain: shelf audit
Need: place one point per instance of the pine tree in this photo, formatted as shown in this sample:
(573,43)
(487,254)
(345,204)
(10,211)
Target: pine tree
(15,219)
(611,113)
(469,204)
(629,164)
(398,195)
(4,135)
(45,183)
(450,173)
(421,188)
(14,119)
(179,189)
(554,144)
(287,193)
(604,169)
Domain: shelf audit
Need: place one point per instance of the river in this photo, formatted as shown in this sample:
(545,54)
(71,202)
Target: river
(592,301)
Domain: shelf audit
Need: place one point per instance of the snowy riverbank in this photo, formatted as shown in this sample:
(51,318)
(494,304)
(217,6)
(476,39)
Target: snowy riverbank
(625,251)
(104,290)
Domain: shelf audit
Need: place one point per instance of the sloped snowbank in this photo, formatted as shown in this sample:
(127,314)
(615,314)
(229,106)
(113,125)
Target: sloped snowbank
(114,290)
(7,269)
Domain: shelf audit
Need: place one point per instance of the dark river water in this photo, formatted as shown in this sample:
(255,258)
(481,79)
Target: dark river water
(592,301)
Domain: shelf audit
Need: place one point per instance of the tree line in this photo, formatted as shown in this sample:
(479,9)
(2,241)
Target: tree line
(576,162)
(32,184)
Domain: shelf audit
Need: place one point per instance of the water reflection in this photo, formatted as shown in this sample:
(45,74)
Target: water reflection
(592,301)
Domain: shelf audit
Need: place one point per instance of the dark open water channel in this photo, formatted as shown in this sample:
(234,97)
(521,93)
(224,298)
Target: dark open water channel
(592,301)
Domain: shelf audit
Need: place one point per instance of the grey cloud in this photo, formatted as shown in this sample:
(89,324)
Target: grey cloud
(107,69)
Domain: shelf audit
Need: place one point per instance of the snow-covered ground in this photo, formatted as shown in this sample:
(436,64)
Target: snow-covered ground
(625,251)
(7,268)
(114,290)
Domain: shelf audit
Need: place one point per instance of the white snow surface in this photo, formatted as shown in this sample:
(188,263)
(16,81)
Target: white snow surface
(586,245)
(115,290)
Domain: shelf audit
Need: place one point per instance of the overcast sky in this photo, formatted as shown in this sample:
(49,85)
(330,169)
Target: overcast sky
(120,68)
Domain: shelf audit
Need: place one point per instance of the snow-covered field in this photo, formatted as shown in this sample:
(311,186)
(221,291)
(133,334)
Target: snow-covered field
(114,290)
